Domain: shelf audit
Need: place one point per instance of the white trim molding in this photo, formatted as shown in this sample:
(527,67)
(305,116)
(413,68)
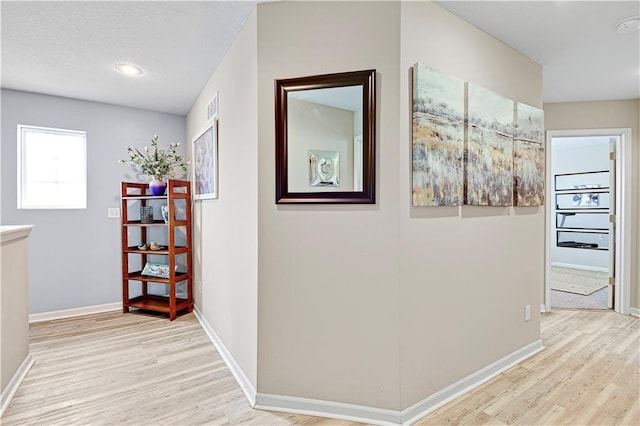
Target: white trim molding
(328,409)
(467,384)
(378,416)
(15,382)
(242,379)
(14,232)
(75,312)
(624,155)
(635,312)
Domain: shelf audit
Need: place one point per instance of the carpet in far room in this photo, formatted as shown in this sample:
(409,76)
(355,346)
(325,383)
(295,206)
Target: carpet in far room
(578,288)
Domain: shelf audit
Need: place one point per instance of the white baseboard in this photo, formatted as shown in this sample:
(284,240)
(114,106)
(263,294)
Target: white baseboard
(472,381)
(635,312)
(15,382)
(242,379)
(329,409)
(75,312)
(543,308)
(351,412)
(583,267)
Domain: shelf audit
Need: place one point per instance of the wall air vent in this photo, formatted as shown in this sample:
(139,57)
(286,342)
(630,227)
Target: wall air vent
(212,107)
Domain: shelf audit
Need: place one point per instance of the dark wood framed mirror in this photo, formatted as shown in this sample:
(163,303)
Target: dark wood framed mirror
(325,138)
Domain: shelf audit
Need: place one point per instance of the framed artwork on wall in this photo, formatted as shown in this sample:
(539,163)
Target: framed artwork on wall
(205,162)
(437,138)
(489,148)
(528,156)
(473,146)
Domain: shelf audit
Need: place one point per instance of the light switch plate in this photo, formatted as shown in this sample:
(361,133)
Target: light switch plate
(113,213)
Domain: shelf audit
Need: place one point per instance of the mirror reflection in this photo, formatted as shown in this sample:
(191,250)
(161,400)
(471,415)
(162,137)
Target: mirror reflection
(324,151)
(325,138)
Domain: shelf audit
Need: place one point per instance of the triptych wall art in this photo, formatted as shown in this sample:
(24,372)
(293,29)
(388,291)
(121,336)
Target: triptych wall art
(473,146)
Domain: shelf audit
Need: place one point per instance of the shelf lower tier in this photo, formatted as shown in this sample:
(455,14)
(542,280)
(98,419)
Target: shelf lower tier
(158,304)
(159,222)
(177,250)
(137,276)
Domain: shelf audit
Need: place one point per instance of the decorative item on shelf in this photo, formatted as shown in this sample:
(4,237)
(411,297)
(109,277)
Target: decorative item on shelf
(165,213)
(164,209)
(144,246)
(156,162)
(155,246)
(157,186)
(146,214)
(156,270)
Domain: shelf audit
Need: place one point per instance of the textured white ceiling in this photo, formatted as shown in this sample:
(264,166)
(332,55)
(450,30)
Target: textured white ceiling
(582,55)
(69,48)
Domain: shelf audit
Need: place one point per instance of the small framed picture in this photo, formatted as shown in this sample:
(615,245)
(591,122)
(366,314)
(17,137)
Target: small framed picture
(324,168)
(205,162)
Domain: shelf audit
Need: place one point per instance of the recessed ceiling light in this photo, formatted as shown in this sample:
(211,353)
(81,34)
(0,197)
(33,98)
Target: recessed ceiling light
(129,69)
(628,25)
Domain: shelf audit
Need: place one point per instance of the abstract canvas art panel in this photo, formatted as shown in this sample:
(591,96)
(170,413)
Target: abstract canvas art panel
(528,156)
(489,148)
(438,138)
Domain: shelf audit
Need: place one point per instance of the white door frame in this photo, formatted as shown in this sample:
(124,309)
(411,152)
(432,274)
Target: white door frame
(622,292)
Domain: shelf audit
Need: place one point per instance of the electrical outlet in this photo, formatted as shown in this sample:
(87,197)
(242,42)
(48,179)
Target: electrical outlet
(527,313)
(199,286)
(113,213)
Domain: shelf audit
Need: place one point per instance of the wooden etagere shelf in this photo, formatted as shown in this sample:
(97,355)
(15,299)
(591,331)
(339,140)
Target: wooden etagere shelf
(174,240)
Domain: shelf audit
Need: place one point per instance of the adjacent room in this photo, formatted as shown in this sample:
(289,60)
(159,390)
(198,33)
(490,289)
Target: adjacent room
(320,212)
(584,186)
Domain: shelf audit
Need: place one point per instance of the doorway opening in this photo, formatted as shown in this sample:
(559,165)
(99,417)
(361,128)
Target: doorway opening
(588,186)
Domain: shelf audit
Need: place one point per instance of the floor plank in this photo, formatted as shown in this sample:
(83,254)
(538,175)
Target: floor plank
(137,369)
(133,369)
(589,374)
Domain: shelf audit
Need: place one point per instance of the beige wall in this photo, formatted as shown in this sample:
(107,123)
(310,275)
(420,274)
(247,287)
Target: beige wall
(328,286)
(465,274)
(225,229)
(607,115)
(14,312)
(410,290)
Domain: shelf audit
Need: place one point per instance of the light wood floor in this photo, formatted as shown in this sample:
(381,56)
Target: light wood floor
(589,374)
(115,369)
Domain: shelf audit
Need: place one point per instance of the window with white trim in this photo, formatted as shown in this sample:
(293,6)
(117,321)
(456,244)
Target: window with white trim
(52,168)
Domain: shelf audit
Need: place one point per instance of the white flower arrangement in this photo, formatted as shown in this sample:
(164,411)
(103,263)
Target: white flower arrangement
(156,162)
